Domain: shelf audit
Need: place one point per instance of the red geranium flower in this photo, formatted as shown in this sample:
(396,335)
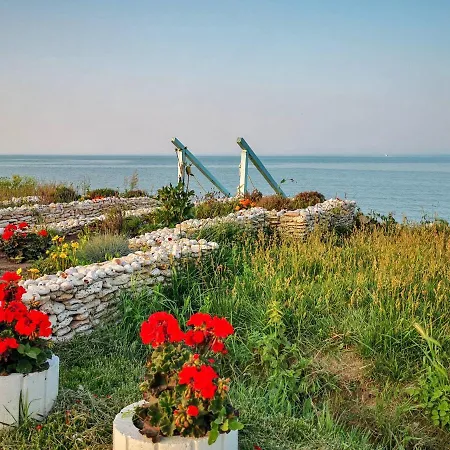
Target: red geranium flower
(219,347)
(43,233)
(25,326)
(15,311)
(22,225)
(199,320)
(8,343)
(192,410)
(7,235)
(10,276)
(200,380)
(11,227)
(161,327)
(221,327)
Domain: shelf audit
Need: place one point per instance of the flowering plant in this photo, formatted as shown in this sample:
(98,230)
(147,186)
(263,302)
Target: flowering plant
(62,254)
(244,203)
(23,245)
(22,329)
(184,393)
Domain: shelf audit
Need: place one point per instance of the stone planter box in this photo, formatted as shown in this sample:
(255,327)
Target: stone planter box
(37,391)
(127,437)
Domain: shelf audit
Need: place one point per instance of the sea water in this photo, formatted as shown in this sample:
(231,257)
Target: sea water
(413,186)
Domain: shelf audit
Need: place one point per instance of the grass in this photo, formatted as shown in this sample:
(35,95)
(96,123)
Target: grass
(324,351)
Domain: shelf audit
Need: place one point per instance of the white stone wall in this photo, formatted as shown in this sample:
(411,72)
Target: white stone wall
(59,212)
(299,223)
(80,297)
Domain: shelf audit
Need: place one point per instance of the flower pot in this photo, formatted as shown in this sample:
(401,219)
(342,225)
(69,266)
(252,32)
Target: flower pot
(31,395)
(127,437)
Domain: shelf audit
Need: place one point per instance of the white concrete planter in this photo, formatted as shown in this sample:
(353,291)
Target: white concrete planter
(127,437)
(38,391)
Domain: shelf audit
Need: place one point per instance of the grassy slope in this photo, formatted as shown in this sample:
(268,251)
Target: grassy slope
(323,351)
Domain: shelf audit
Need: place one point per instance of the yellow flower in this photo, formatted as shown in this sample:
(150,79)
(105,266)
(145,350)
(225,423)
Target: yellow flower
(19,271)
(33,270)
(54,255)
(75,244)
(62,255)
(55,238)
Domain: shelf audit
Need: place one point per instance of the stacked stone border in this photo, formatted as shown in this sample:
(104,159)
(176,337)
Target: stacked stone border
(82,297)
(65,215)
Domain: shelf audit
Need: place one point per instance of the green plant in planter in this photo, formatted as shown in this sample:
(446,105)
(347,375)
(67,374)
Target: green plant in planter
(175,205)
(22,349)
(184,393)
(18,243)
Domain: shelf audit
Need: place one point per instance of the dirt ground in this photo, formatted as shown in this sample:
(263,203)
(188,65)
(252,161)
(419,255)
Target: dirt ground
(7,265)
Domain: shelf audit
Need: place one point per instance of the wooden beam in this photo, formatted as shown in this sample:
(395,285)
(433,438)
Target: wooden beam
(188,155)
(260,166)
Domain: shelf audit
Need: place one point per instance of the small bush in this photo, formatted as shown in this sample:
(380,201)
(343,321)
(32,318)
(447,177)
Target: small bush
(102,192)
(309,198)
(103,247)
(114,221)
(176,205)
(254,196)
(135,193)
(212,207)
(20,244)
(132,225)
(65,194)
(276,202)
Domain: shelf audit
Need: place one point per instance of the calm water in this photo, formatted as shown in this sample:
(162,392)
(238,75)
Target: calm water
(411,186)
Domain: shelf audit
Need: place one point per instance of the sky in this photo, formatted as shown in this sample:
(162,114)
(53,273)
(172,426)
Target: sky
(350,77)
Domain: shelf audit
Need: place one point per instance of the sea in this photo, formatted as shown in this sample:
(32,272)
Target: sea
(412,187)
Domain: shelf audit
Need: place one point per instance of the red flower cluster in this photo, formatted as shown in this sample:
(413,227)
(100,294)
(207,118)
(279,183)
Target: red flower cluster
(29,323)
(11,229)
(200,379)
(7,344)
(9,290)
(161,327)
(209,331)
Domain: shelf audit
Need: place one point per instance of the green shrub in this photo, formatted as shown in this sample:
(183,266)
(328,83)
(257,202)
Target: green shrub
(305,199)
(135,193)
(65,194)
(102,247)
(102,192)
(132,225)
(175,205)
(212,207)
(276,202)
(114,221)
(18,243)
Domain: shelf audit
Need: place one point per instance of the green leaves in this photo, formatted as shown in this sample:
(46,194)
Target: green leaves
(213,434)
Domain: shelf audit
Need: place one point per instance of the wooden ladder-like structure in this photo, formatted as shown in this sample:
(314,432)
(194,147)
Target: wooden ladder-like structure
(247,154)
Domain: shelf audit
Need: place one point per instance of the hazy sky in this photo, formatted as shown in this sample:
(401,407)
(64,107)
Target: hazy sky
(304,77)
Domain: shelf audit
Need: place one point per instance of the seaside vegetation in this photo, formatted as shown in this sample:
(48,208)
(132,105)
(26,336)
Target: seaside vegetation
(341,343)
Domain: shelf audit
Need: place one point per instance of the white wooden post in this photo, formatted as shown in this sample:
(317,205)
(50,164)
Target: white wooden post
(181,155)
(243,173)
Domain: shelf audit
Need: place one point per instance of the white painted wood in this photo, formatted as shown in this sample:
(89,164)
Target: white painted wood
(39,391)
(127,437)
(243,173)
